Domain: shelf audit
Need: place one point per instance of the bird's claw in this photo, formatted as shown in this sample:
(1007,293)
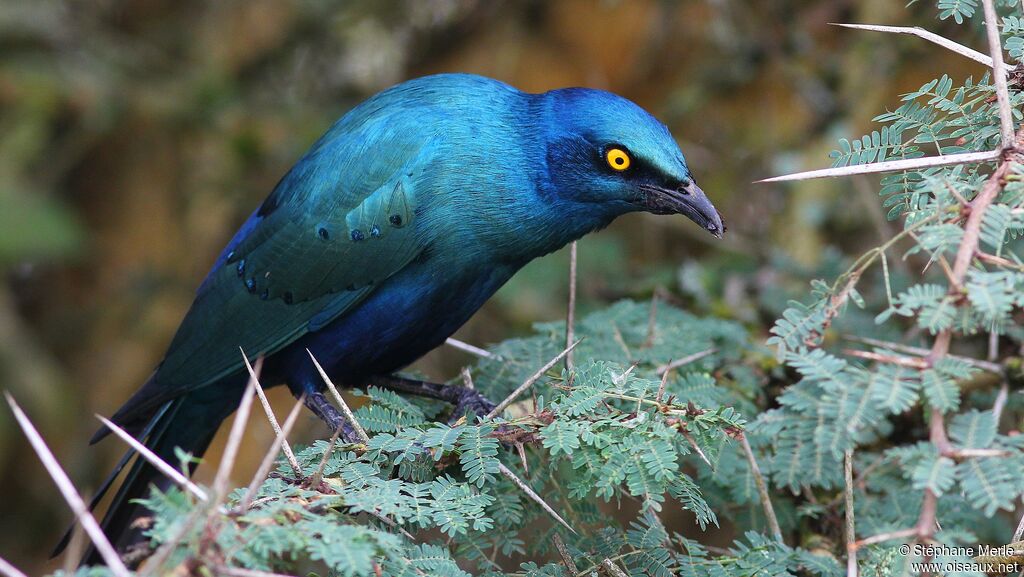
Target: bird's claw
(329,414)
(472,402)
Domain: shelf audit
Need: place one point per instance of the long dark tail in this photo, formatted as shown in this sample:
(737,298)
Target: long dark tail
(189,423)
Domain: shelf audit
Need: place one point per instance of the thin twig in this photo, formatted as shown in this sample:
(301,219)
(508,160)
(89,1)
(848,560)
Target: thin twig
(910,362)
(563,552)
(995,48)
(891,166)
(762,489)
(851,534)
(976,453)
(468,348)
(882,537)
(8,570)
(923,352)
(391,524)
(532,495)
(270,414)
(345,411)
(613,569)
(529,382)
(661,386)
(685,361)
(67,489)
(268,460)
(693,443)
(931,37)
(161,465)
(570,316)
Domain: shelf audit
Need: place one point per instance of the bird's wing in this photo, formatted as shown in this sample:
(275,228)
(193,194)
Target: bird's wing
(333,230)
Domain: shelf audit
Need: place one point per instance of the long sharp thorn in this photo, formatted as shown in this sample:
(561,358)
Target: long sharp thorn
(529,382)
(67,489)
(161,465)
(227,463)
(930,37)
(270,457)
(693,443)
(9,570)
(532,495)
(271,416)
(468,348)
(890,166)
(663,369)
(347,412)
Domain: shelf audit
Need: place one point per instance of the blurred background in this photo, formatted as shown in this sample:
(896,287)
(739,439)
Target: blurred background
(135,136)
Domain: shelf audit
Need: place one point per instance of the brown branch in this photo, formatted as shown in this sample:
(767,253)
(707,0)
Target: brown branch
(563,552)
(995,48)
(762,489)
(911,362)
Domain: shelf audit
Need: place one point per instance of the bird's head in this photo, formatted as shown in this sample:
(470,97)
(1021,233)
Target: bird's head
(608,153)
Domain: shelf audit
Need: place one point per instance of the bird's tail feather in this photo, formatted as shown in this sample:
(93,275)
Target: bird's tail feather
(189,423)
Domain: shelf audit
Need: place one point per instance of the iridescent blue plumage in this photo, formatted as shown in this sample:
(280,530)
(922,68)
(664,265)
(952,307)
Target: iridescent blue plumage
(392,230)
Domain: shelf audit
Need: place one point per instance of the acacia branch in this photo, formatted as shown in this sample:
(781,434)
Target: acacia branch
(995,48)
(940,349)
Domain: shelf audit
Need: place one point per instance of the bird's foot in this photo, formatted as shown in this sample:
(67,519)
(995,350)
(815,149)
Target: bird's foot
(331,416)
(470,403)
(465,400)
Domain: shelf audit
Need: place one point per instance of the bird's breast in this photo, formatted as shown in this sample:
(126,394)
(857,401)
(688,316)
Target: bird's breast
(410,314)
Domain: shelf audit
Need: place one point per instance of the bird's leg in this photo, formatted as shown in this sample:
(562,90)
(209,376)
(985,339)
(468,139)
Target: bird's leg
(464,399)
(329,414)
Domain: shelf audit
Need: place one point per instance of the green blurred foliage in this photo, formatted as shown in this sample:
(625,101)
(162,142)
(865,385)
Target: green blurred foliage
(136,135)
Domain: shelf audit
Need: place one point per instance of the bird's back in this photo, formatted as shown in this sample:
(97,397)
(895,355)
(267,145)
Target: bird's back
(403,173)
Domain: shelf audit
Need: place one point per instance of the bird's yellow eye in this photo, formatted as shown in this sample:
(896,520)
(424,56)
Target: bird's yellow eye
(617,159)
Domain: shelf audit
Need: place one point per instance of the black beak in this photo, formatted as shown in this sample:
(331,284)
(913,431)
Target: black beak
(686,199)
